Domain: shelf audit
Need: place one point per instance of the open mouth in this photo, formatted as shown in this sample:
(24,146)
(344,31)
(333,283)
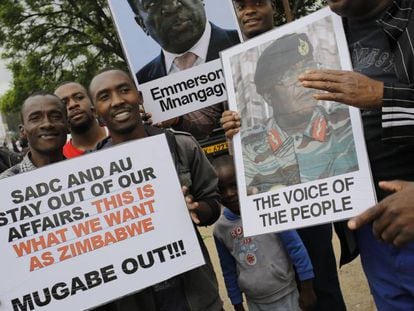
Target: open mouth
(252,21)
(48,136)
(121,115)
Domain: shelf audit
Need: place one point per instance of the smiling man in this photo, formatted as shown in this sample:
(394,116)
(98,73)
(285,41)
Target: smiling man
(255,16)
(44,123)
(85,130)
(117,103)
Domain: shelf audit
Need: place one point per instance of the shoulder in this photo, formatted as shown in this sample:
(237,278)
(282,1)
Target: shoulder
(152,70)
(105,143)
(230,35)
(14,170)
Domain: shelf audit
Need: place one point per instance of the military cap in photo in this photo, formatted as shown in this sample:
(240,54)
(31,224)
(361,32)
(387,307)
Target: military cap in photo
(279,56)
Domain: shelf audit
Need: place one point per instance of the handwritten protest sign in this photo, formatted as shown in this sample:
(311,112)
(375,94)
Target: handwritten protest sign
(85,231)
(170,91)
(299,161)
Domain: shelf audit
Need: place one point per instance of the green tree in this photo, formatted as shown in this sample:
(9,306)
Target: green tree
(46,42)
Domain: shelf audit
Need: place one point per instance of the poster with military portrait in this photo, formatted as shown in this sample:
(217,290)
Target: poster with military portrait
(172,49)
(299,161)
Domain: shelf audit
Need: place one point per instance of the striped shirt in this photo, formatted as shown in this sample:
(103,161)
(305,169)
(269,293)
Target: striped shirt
(398,101)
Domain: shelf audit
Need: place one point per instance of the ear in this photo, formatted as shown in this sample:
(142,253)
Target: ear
(140,22)
(22,130)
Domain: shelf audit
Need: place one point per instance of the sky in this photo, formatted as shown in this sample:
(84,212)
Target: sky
(5,76)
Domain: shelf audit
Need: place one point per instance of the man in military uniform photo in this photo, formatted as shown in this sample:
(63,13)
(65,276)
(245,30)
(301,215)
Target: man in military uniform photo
(305,140)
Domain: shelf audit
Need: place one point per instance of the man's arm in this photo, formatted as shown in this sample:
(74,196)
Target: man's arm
(355,89)
(201,194)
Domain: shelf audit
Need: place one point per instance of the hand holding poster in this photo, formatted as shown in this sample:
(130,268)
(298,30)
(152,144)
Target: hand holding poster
(86,231)
(172,50)
(299,161)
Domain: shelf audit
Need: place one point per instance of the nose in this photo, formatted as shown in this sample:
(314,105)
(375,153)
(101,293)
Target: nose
(72,104)
(117,99)
(46,123)
(250,9)
(170,7)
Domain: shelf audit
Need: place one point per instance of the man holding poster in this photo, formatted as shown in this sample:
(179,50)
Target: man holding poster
(380,36)
(117,103)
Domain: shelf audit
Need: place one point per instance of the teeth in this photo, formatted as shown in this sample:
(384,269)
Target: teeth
(121,115)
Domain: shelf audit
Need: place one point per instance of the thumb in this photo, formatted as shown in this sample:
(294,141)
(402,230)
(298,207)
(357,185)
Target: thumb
(393,185)
(364,218)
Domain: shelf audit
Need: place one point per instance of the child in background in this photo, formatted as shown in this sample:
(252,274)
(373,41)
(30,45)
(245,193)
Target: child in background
(259,266)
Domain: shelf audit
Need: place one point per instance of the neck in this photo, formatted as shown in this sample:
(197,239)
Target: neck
(88,139)
(137,133)
(42,159)
(374,9)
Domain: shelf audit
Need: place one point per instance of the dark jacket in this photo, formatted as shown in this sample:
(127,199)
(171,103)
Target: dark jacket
(220,39)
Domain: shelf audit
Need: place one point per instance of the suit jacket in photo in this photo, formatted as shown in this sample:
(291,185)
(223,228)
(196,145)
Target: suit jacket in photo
(220,39)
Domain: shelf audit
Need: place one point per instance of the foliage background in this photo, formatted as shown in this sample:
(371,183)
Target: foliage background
(46,42)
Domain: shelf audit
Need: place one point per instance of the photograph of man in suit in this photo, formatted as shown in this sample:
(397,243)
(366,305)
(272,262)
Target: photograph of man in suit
(185,36)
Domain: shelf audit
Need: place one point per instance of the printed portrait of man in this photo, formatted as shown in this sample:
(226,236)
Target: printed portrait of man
(183,31)
(304,139)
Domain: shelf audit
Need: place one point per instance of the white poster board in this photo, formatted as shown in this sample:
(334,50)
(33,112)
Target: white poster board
(168,95)
(89,230)
(299,162)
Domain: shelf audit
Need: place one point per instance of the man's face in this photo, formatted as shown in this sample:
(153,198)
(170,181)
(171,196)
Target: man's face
(116,101)
(255,16)
(81,113)
(176,25)
(289,99)
(353,8)
(44,123)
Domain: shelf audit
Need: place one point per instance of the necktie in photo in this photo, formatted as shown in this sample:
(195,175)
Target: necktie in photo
(185,61)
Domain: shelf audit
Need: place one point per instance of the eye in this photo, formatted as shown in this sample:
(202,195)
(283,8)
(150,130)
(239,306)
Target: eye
(103,97)
(239,6)
(149,5)
(125,89)
(56,116)
(79,97)
(34,117)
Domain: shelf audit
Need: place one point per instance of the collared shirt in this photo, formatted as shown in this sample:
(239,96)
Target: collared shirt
(24,166)
(200,49)
(272,158)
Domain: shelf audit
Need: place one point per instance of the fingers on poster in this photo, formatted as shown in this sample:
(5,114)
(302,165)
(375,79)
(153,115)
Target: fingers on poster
(305,159)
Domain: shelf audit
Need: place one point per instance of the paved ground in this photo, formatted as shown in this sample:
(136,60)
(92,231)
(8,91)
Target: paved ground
(353,282)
